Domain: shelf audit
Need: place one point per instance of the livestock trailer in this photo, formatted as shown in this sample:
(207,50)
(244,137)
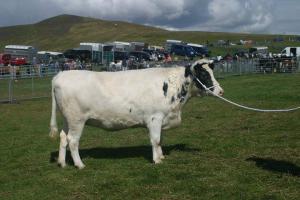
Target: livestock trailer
(97,52)
(28,53)
(78,54)
(121,46)
(94,49)
(47,57)
(137,46)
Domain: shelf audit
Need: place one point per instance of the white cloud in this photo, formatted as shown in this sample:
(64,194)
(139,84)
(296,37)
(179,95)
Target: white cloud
(240,15)
(217,15)
(208,15)
(125,9)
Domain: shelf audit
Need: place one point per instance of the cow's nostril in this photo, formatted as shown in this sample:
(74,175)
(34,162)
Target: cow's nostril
(221,93)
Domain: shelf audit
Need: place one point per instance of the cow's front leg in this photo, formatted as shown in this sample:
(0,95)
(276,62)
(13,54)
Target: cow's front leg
(154,126)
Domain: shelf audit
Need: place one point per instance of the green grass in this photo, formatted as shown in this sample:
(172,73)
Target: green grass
(219,151)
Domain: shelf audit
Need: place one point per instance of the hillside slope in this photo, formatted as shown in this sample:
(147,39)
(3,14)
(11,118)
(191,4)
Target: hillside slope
(67,31)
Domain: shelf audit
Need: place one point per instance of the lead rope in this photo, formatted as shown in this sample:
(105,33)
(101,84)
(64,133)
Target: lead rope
(242,106)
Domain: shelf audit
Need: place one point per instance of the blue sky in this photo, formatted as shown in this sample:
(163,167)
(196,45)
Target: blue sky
(251,16)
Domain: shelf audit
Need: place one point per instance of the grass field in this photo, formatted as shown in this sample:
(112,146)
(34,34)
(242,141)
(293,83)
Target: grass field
(219,151)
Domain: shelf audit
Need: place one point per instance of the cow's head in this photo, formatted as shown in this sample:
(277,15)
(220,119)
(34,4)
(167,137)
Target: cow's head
(203,71)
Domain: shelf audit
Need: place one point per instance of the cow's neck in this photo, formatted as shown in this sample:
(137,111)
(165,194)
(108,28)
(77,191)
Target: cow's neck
(185,91)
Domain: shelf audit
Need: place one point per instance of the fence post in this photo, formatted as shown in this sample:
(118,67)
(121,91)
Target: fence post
(10,88)
(240,67)
(32,87)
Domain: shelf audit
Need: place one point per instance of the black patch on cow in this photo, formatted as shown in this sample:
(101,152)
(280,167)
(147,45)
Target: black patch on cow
(211,65)
(178,95)
(165,88)
(183,90)
(172,99)
(182,94)
(187,71)
(203,76)
(130,110)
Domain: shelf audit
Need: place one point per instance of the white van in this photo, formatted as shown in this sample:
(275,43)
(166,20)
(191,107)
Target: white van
(291,51)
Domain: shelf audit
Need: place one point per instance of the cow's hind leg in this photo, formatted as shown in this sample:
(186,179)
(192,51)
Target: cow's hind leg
(154,127)
(74,134)
(63,145)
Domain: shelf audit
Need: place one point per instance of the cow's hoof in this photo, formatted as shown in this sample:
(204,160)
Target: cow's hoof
(62,164)
(80,166)
(157,161)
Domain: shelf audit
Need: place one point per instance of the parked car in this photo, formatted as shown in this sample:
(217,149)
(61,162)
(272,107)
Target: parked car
(170,43)
(200,50)
(182,50)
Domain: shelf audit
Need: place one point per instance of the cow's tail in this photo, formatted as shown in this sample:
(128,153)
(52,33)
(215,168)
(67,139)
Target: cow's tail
(53,124)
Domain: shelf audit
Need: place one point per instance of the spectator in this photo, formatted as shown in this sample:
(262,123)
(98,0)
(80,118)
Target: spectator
(168,57)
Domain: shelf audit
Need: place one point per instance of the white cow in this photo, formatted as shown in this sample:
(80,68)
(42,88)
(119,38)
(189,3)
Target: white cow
(151,98)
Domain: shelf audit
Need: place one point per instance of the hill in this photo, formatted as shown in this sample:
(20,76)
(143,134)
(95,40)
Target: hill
(67,31)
